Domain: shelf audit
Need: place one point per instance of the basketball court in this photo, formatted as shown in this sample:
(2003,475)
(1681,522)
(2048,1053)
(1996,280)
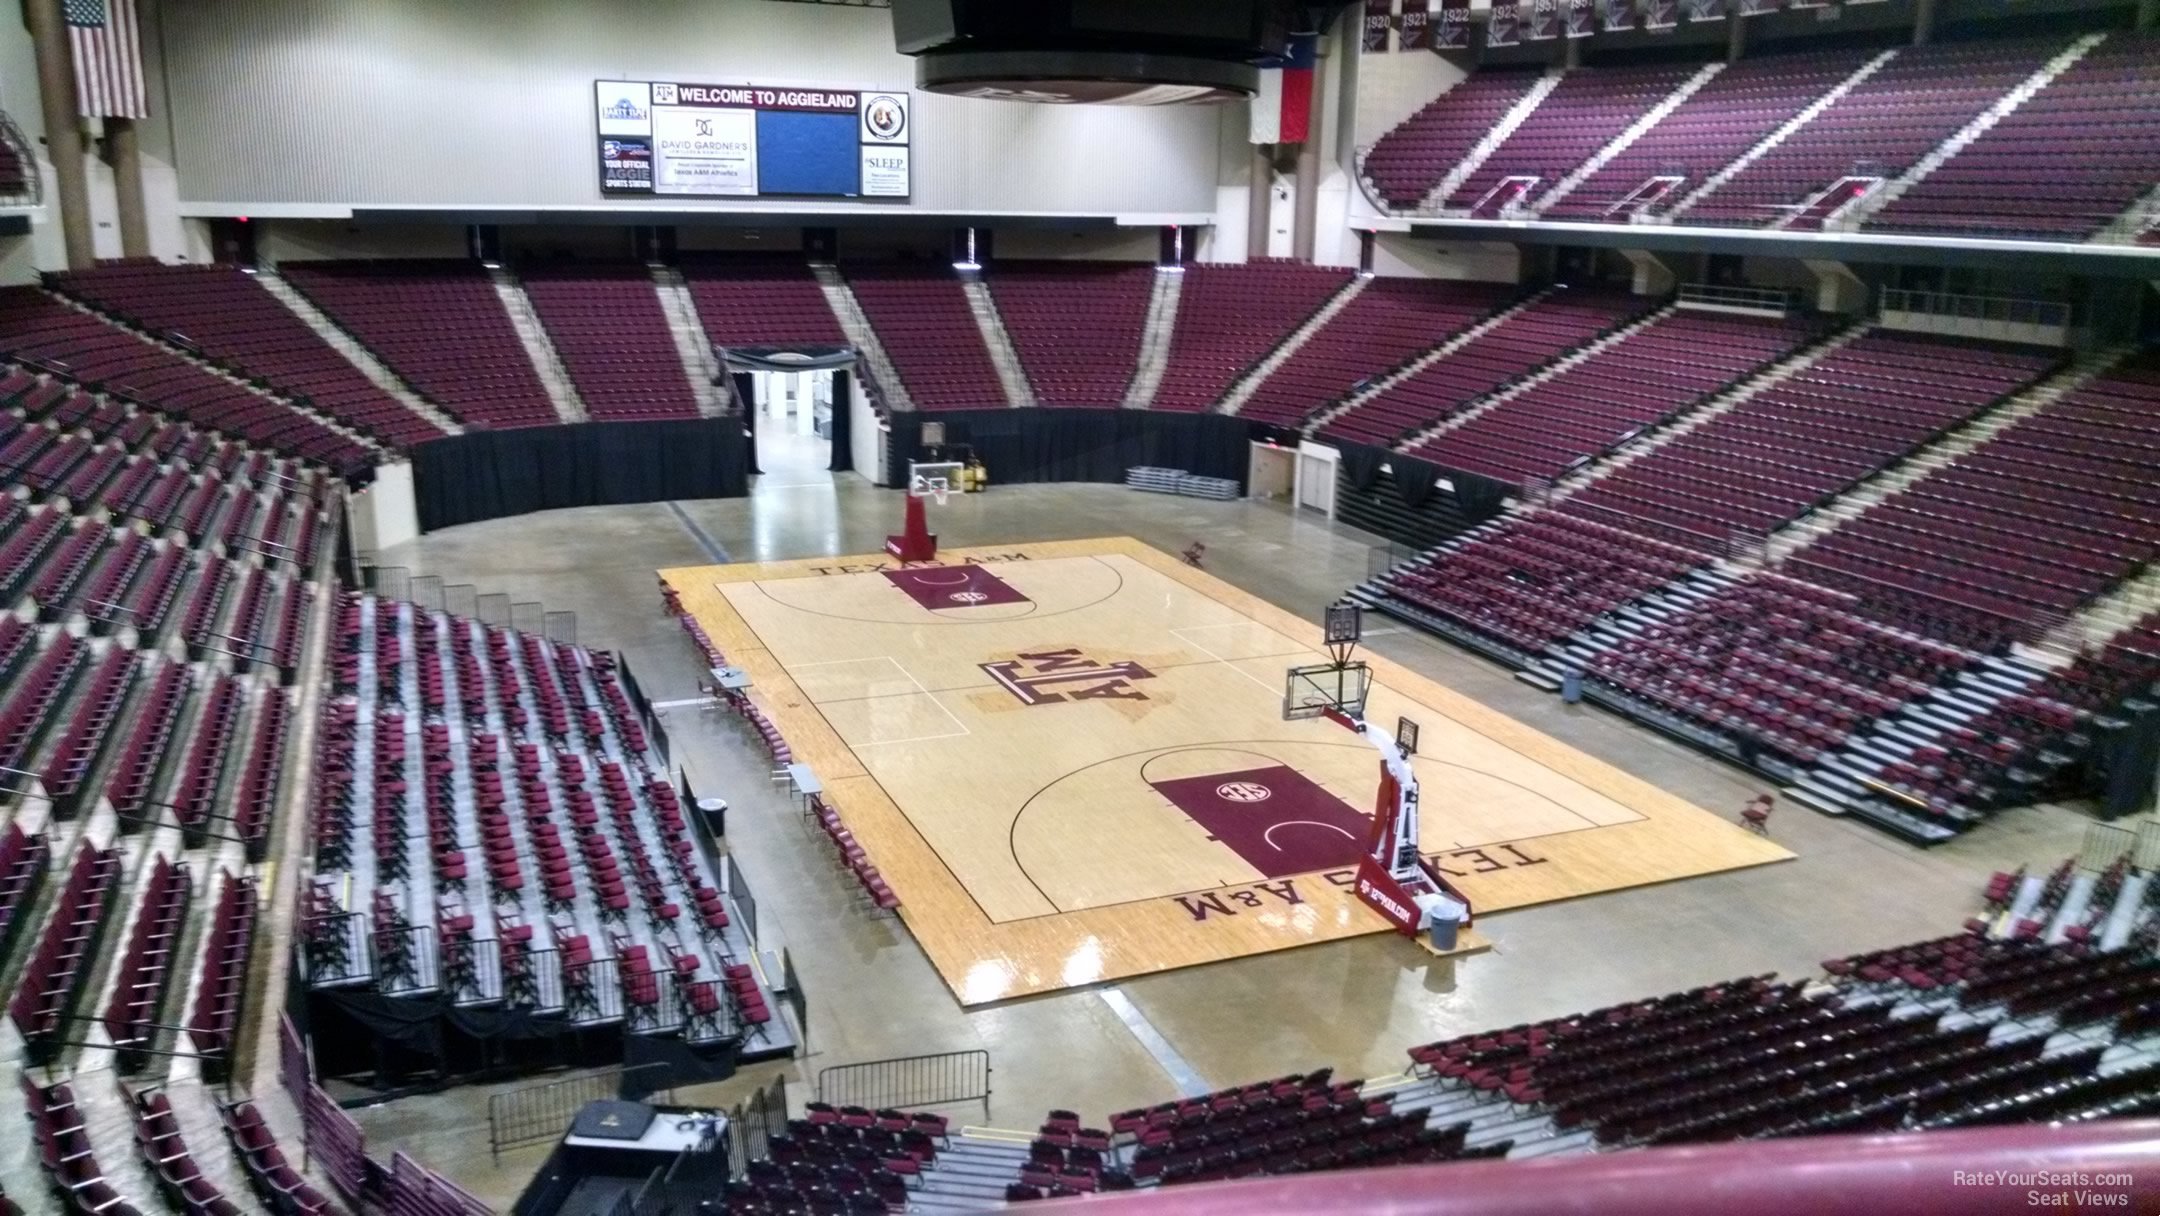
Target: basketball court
(1070,761)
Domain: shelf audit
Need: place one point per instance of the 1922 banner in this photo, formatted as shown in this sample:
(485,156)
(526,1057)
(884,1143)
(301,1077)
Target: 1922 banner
(1379,16)
(1453,31)
(1616,16)
(1415,29)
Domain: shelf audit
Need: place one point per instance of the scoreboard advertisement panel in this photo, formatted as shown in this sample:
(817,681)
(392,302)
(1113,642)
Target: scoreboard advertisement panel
(663,137)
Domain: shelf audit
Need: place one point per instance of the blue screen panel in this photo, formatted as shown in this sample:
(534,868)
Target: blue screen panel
(805,153)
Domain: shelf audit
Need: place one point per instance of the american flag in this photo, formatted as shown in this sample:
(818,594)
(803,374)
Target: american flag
(108,58)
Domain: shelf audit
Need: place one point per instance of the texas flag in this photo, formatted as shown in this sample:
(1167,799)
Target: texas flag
(1282,108)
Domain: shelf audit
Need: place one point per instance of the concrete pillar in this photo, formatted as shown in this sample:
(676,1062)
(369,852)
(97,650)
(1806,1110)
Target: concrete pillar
(1923,22)
(123,146)
(1305,236)
(1837,288)
(1571,55)
(1652,276)
(63,129)
(1257,202)
(1735,38)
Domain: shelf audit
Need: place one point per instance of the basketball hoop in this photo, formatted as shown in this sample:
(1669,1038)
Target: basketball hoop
(931,482)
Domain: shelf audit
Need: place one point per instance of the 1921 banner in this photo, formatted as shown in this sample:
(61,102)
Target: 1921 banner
(1414,30)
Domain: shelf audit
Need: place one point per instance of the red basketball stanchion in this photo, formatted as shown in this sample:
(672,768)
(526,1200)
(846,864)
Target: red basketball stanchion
(915,543)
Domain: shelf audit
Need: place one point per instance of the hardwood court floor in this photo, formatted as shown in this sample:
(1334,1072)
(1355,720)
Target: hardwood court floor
(1069,761)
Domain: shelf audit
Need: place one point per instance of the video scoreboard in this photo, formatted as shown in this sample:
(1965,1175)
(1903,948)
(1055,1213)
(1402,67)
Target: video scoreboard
(747,141)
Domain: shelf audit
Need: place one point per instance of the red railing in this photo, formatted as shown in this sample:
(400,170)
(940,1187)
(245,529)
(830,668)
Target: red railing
(2101,1166)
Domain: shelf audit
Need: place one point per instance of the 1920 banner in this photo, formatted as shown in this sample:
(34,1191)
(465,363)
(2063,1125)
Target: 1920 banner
(1415,32)
(1500,29)
(1453,31)
(1581,18)
(1616,16)
(1379,16)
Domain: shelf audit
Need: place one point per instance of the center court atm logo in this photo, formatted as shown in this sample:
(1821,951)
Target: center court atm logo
(1049,676)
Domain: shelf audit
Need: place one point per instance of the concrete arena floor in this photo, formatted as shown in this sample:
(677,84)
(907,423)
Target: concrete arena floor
(1354,1005)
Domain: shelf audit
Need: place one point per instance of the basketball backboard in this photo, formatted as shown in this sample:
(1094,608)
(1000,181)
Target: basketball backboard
(1312,690)
(933,479)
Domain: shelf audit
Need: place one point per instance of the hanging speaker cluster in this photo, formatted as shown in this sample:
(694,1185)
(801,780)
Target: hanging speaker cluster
(1097,52)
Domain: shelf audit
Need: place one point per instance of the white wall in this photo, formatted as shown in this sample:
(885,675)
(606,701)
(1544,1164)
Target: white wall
(1416,257)
(423,103)
(1137,244)
(311,240)
(866,436)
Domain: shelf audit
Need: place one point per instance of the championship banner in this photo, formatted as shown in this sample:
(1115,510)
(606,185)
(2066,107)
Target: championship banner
(1807,3)
(1581,22)
(1756,8)
(1616,16)
(1501,25)
(1379,16)
(1416,27)
(1544,20)
(1705,10)
(1660,16)
(1453,30)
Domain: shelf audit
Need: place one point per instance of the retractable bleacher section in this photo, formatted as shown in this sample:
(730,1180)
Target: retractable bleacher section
(606,322)
(38,330)
(1876,665)
(493,830)
(2053,511)
(440,326)
(1390,322)
(1639,380)
(1230,317)
(1803,441)
(1077,326)
(237,324)
(923,318)
(1546,329)
(1963,1031)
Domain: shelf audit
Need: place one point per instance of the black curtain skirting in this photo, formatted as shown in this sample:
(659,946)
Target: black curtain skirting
(843,422)
(1039,445)
(491,474)
(746,402)
(1361,463)
(2127,757)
